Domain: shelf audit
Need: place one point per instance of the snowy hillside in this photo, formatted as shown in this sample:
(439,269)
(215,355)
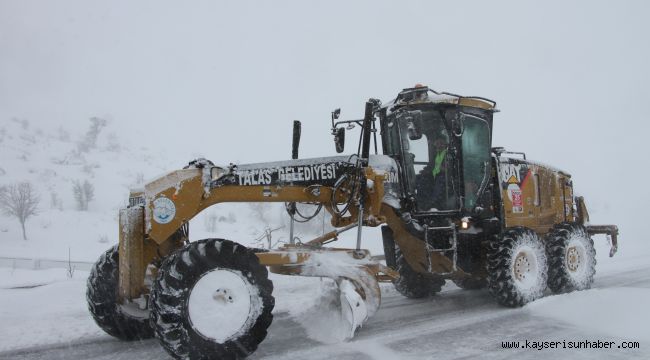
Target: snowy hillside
(56,158)
(53,160)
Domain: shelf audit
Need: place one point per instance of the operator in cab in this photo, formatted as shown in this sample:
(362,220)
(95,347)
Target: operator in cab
(431,182)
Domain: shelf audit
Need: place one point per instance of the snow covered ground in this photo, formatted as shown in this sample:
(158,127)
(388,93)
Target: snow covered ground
(52,322)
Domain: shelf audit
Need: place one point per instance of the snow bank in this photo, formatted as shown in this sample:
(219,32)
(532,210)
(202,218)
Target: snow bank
(613,311)
(50,314)
(22,278)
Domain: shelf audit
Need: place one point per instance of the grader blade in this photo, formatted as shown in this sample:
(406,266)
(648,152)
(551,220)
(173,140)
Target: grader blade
(353,307)
(356,276)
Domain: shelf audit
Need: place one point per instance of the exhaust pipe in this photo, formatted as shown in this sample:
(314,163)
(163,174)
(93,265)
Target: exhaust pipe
(294,155)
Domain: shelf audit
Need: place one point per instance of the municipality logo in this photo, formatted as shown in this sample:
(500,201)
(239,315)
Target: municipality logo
(164,210)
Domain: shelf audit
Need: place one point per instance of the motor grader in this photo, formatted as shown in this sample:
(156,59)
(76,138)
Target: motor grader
(450,207)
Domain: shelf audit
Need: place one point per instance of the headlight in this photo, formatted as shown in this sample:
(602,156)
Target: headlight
(464,223)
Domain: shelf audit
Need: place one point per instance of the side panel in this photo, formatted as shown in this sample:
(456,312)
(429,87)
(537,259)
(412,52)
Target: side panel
(533,195)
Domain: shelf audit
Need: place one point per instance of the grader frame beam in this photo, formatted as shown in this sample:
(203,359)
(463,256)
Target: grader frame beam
(144,241)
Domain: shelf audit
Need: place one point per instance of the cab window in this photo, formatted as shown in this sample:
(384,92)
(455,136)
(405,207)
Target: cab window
(476,156)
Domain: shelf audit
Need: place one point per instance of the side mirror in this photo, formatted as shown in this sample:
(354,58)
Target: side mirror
(457,121)
(336,113)
(413,131)
(413,121)
(339,140)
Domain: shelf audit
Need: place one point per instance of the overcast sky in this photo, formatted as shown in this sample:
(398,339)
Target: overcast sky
(225,79)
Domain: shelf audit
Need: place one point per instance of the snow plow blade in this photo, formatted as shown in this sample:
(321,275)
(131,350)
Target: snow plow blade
(354,309)
(355,273)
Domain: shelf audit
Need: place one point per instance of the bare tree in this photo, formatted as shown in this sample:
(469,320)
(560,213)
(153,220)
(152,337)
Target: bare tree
(83,194)
(89,192)
(89,141)
(19,200)
(71,268)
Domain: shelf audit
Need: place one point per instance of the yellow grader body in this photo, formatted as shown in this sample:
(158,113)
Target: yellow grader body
(450,207)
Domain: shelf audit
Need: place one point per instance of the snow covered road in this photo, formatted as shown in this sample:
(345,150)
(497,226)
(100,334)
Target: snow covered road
(456,324)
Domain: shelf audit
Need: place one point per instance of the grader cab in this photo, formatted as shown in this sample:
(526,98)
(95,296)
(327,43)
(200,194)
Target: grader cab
(450,206)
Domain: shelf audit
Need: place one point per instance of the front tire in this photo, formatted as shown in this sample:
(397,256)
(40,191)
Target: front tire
(212,300)
(571,257)
(123,321)
(412,284)
(517,268)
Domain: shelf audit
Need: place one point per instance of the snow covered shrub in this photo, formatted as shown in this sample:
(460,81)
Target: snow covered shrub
(139,178)
(28,138)
(89,168)
(260,211)
(83,194)
(113,143)
(24,123)
(55,201)
(210,222)
(230,219)
(63,135)
(45,224)
(89,141)
(19,201)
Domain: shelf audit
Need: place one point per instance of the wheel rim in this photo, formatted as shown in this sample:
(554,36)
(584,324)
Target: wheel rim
(223,304)
(525,268)
(576,257)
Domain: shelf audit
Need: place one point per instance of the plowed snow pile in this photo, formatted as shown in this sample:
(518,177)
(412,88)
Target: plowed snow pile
(322,318)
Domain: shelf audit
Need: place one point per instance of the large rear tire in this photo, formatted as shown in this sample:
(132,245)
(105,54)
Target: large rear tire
(571,257)
(517,268)
(212,300)
(123,321)
(413,284)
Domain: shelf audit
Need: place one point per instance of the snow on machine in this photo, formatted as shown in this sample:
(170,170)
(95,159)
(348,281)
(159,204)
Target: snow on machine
(450,206)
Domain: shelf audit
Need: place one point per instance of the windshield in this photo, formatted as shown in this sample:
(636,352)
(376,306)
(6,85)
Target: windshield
(425,145)
(476,156)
